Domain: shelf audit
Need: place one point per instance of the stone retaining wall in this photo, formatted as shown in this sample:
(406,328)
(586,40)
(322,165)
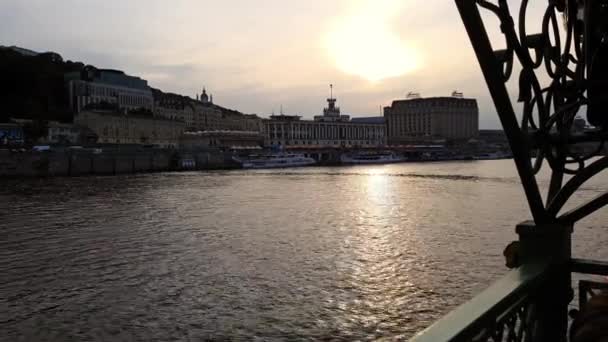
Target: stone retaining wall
(78,163)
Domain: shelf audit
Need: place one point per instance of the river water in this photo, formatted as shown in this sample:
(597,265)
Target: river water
(363,252)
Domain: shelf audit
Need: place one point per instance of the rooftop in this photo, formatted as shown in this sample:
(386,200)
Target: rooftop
(222,132)
(285,117)
(369,119)
(445,99)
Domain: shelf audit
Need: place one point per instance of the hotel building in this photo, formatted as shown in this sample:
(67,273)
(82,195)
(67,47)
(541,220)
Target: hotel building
(435,118)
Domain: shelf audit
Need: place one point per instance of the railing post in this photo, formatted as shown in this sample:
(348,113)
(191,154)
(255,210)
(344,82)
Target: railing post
(552,243)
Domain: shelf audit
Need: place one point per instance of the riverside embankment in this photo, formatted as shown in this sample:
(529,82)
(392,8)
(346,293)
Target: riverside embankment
(74,162)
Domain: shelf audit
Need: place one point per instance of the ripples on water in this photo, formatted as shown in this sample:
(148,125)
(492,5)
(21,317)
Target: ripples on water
(347,253)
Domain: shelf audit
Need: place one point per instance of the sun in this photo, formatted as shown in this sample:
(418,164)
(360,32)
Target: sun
(363,44)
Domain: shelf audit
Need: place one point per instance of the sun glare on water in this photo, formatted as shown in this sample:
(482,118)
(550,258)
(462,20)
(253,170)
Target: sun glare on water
(363,43)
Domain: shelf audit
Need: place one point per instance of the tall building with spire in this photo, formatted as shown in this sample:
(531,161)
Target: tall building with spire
(332,129)
(331,112)
(206,98)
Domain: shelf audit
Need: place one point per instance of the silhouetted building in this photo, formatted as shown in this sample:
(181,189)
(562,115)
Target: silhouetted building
(223,139)
(369,120)
(207,117)
(204,97)
(234,121)
(493,136)
(328,130)
(11,134)
(117,128)
(332,113)
(63,133)
(425,119)
(173,106)
(107,89)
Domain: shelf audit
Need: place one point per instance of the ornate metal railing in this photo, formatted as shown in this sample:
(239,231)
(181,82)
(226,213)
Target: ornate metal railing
(512,308)
(548,111)
(506,309)
(588,288)
(571,55)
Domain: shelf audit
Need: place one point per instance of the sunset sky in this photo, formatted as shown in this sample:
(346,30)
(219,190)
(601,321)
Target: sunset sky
(256,55)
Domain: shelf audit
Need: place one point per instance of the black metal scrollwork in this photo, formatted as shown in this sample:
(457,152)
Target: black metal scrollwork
(516,325)
(561,53)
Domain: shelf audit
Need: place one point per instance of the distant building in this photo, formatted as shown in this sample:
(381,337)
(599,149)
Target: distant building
(369,120)
(204,97)
(218,127)
(11,134)
(183,112)
(64,133)
(493,137)
(174,107)
(117,128)
(229,140)
(240,122)
(210,117)
(331,113)
(207,117)
(107,89)
(328,130)
(418,119)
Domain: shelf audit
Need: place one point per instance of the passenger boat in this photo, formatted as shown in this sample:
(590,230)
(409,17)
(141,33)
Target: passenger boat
(371,158)
(276,160)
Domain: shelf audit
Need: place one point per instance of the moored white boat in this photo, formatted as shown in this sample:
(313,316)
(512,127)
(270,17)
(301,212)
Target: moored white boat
(371,158)
(277,160)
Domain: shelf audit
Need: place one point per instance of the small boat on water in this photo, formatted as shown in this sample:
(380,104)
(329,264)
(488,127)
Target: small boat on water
(276,160)
(371,158)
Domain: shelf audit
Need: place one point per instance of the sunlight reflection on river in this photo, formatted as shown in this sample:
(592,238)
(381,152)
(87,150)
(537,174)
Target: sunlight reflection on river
(345,253)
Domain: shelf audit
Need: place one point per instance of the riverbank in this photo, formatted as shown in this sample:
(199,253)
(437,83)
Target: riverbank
(107,162)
